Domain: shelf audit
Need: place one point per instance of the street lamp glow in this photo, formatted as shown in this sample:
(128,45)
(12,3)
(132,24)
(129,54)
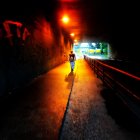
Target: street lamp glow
(72,34)
(65,19)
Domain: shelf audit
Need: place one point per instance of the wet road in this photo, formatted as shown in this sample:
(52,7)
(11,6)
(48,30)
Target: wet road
(36,112)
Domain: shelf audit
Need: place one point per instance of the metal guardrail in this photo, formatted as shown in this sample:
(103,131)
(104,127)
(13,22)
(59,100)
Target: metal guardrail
(124,84)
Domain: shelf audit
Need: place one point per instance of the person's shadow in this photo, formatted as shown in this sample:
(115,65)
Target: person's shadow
(70,78)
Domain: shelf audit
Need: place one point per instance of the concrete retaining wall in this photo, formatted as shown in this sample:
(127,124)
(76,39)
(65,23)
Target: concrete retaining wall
(44,48)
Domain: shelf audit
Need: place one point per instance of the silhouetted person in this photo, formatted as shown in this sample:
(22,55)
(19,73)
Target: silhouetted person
(72,59)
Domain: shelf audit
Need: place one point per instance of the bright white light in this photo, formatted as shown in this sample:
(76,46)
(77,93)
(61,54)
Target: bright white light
(98,57)
(84,45)
(94,44)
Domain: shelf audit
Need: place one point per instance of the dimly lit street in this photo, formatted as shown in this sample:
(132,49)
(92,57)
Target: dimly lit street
(36,111)
(65,105)
(69,70)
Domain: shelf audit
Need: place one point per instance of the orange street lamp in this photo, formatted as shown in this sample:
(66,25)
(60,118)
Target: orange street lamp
(72,34)
(65,19)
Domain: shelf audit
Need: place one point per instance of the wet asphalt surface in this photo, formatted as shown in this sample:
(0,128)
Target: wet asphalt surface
(64,105)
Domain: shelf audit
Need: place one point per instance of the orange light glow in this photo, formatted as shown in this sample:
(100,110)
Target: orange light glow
(72,34)
(65,19)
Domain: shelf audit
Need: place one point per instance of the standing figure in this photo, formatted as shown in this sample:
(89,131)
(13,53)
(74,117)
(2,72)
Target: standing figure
(72,59)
